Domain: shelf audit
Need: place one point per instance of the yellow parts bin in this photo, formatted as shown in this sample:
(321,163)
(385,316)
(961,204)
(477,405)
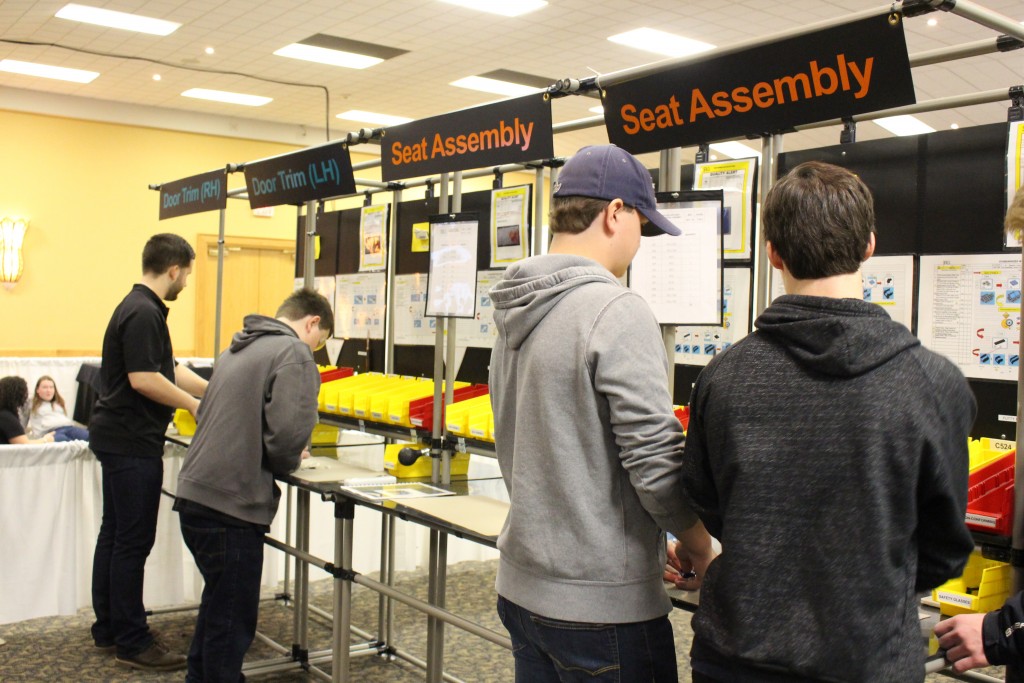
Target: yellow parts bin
(464,417)
(398,406)
(184,422)
(983,451)
(422,466)
(325,435)
(984,587)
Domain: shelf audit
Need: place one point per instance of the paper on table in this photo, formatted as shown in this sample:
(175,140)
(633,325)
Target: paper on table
(480,514)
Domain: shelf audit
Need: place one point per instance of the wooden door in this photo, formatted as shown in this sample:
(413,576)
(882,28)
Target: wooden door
(258,275)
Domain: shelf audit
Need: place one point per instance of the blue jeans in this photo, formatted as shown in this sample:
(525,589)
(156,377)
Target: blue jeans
(131,500)
(554,651)
(70,433)
(231,562)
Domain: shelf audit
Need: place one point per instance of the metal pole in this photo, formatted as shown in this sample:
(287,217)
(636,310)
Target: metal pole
(764,268)
(431,599)
(440,579)
(449,369)
(669,180)
(220,284)
(435,455)
(1014,673)
(948,54)
(344,511)
(309,266)
(981,15)
(389,331)
(984,97)
(390,578)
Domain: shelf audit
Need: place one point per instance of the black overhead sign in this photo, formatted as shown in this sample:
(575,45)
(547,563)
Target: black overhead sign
(850,69)
(502,133)
(198,193)
(297,177)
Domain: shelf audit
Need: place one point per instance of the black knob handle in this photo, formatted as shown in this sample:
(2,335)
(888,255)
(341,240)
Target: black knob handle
(408,456)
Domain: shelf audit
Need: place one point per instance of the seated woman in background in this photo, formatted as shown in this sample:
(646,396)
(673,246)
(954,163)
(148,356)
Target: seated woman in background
(49,414)
(13,394)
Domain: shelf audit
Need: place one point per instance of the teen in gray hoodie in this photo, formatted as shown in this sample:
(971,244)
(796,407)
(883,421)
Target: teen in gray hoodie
(588,446)
(254,422)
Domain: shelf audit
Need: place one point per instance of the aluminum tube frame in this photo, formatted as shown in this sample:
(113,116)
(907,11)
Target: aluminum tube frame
(768,165)
(438,430)
(220,285)
(983,16)
(1013,673)
(389,330)
(984,97)
(344,512)
(670,180)
(538,211)
(436,612)
(388,635)
(947,54)
(438,578)
(309,265)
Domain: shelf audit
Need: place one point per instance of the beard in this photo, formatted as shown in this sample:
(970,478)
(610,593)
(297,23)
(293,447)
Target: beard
(172,293)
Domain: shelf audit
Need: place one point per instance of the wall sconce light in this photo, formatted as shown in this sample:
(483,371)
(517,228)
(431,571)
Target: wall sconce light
(12,262)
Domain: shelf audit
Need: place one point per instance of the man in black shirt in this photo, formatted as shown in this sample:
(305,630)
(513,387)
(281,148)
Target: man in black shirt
(141,386)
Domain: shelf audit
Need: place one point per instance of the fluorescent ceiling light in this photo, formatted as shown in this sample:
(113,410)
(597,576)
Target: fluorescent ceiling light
(506,8)
(495,86)
(121,20)
(597,110)
(336,51)
(660,42)
(229,97)
(59,73)
(904,125)
(371,117)
(322,55)
(736,150)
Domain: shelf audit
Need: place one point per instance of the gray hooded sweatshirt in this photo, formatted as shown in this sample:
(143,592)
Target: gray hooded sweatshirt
(587,444)
(255,419)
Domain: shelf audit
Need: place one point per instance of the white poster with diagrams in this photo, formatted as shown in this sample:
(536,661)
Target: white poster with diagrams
(680,276)
(1014,173)
(412,326)
(886,280)
(736,180)
(697,345)
(969,311)
(481,330)
(360,305)
(510,216)
(372,225)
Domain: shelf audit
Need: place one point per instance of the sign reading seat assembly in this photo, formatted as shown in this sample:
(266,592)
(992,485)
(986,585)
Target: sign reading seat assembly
(841,71)
(303,176)
(506,132)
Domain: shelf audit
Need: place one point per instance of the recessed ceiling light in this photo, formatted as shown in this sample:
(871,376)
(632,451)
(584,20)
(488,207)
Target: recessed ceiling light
(156,77)
(904,125)
(327,49)
(736,150)
(492,85)
(371,117)
(954,126)
(60,73)
(209,50)
(932,22)
(229,97)
(121,20)
(597,110)
(506,8)
(660,42)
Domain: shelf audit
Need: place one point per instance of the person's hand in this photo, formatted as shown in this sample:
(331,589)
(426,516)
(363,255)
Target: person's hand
(961,638)
(48,437)
(305,453)
(686,569)
(194,408)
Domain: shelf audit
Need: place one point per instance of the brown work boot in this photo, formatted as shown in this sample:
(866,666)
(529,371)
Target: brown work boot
(156,657)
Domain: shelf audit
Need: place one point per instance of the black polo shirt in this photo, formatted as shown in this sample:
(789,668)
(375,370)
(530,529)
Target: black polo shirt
(124,422)
(10,426)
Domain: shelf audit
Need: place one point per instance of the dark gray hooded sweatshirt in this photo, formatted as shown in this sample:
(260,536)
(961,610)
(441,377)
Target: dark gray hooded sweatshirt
(255,419)
(828,453)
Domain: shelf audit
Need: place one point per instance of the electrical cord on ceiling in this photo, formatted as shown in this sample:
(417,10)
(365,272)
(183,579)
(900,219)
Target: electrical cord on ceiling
(327,94)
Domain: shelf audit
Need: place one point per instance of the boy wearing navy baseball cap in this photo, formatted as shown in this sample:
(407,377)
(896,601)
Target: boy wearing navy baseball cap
(586,439)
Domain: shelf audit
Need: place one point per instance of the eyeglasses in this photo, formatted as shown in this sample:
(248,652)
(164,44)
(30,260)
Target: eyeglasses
(323,342)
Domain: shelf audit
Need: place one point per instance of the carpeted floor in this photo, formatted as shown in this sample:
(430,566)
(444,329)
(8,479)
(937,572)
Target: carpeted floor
(60,649)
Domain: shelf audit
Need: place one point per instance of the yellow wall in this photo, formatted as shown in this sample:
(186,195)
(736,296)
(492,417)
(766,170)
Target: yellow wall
(84,187)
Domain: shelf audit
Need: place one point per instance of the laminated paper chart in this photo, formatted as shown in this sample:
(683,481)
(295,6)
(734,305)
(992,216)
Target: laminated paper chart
(360,303)
(697,345)
(970,312)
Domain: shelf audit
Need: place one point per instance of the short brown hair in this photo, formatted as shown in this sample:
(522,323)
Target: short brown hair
(305,301)
(819,219)
(573,215)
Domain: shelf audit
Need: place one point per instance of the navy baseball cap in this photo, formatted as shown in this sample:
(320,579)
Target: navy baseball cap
(610,172)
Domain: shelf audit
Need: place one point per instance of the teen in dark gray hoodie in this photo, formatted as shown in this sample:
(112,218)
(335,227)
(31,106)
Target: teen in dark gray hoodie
(828,453)
(588,446)
(254,422)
